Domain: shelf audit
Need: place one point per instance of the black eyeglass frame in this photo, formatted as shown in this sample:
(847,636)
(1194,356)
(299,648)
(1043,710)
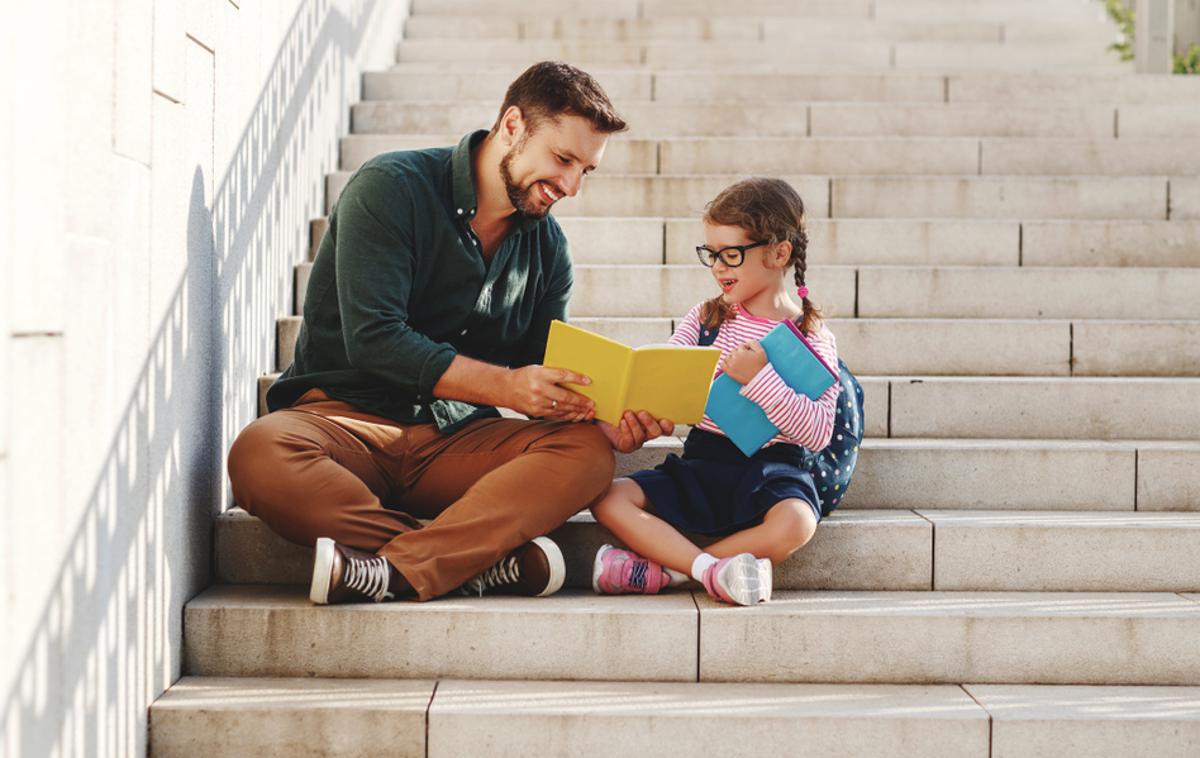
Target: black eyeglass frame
(708,256)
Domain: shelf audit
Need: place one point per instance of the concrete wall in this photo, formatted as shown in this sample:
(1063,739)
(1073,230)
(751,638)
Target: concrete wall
(159,162)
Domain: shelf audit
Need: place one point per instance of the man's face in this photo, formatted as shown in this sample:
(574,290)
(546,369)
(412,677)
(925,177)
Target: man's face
(550,163)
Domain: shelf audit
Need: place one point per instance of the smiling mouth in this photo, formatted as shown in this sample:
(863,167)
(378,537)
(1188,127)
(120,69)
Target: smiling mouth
(727,284)
(548,194)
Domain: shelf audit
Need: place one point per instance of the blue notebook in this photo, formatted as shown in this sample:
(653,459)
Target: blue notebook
(796,362)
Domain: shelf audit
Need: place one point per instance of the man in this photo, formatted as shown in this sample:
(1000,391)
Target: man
(429,305)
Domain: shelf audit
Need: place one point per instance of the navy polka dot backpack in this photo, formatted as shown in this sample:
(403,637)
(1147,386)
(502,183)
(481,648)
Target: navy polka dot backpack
(832,467)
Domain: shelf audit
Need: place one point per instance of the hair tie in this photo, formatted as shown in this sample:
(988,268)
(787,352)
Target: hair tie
(802,292)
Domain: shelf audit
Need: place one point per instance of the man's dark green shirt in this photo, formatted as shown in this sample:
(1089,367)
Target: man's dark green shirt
(399,287)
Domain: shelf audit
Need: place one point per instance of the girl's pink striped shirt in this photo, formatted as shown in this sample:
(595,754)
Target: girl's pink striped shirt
(801,421)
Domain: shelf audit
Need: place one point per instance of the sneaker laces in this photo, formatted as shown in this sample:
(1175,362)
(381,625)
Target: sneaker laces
(637,574)
(506,571)
(369,576)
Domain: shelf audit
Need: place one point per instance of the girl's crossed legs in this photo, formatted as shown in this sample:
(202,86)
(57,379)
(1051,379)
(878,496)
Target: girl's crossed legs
(785,528)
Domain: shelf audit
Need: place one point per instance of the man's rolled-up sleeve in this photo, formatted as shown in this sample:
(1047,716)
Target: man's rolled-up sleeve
(376,265)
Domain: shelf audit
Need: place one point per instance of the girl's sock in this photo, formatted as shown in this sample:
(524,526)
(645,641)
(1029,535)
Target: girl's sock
(677,577)
(700,565)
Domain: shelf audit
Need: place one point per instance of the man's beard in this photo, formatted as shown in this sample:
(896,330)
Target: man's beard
(521,199)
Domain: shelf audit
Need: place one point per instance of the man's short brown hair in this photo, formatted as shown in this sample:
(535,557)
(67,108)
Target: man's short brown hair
(551,89)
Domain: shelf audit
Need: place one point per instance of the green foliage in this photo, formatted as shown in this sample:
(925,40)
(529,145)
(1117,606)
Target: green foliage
(1122,15)
(1189,62)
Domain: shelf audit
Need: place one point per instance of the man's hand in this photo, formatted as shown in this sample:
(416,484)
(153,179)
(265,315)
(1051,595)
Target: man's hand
(744,363)
(635,430)
(535,391)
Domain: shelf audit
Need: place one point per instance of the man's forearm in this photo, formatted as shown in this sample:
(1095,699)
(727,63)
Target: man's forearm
(475,382)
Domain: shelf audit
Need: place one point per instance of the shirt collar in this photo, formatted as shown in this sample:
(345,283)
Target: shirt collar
(462,168)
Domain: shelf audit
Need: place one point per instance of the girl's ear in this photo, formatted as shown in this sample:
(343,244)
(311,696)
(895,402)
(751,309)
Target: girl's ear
(783,253)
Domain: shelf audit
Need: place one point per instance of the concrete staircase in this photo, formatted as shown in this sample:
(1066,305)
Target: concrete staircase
(1006,234)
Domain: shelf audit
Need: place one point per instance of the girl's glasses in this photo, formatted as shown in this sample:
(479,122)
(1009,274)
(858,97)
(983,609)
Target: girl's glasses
(732,256)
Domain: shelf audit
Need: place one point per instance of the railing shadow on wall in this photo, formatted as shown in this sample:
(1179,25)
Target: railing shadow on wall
(100,649)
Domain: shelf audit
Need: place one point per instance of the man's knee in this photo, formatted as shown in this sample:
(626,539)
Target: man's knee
(593,462)
(257,464)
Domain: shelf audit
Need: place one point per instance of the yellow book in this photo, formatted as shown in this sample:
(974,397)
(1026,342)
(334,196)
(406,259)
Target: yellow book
(667,381)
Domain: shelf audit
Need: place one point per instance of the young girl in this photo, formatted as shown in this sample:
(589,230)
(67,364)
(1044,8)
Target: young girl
(766,506)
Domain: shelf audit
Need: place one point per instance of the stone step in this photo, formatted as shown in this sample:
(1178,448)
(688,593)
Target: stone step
(653,195)
(425,83)
(751,28)
(696,28)
(1073,722)
(1012,87)
(937,242)
(992,551)
(951,347)
(334,717)
(843,9)
(419,718)
(1041,197)
(1185,198)
(929,155)
(852,52)
(852,550)
(921,637)
(1045,408)
(1002,407)
(926,637)
(857,9)
(973,197)
(905,242)
(947,401)
(913,291)
(1158,120)
(765,68)
(419,83)
(854,155)
(523,8)
(1082,53)
(1026,292)
(991,473)
(1129,155)
(1067,88)
(649,119)
(990,10)
(623,155)
(659,54)
(864,119)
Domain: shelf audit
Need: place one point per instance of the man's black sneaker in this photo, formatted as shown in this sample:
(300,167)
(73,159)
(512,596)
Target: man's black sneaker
(535,569)
(344,575)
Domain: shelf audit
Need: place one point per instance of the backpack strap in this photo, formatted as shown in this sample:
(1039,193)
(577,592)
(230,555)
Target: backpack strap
(708,336)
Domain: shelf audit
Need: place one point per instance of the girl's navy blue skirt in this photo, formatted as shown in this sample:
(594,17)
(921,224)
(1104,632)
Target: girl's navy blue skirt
(715,490)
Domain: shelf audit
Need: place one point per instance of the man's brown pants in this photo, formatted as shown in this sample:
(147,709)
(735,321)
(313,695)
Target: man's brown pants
(321,468)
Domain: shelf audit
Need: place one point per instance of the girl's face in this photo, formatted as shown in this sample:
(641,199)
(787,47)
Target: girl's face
(761,269)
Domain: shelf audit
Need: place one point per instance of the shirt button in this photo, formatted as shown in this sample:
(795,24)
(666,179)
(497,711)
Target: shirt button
(460,211)
(462,333)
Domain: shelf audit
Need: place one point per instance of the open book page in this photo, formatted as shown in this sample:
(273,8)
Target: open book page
(606,362)
(672,382)
(667,381)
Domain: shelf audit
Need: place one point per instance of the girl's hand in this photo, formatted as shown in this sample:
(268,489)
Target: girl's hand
(744,363)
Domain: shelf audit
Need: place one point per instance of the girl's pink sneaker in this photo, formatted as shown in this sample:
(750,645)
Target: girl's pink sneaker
(741,580)
(621,572)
